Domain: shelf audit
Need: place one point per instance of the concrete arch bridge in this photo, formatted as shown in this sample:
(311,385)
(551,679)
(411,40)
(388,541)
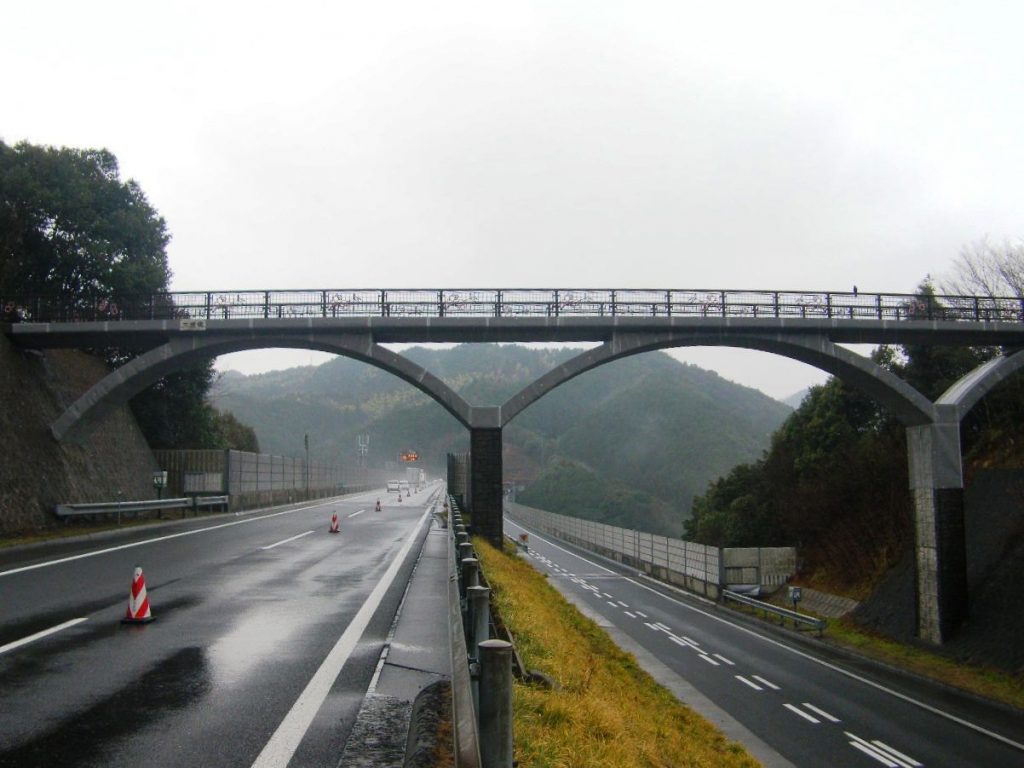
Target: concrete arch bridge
(179,329)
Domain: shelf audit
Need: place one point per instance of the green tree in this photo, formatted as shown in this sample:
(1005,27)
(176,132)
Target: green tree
(69,227)
(73,231)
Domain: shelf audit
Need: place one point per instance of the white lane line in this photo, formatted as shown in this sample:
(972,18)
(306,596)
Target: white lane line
(282,745)
(357,513)
(610,597)
(896,754)
(804,715)
(709,660)
(882,752)
(870,751)
(285,541)
(822,712)
(722,659)
(563,549)
(613,605)
(651,626)
(679,642)
(797,652)
(693,642)
(766,683)
(641,614)
(630,614)
(753,685)
(84,555)
(660,625)
(39,635)
(624,605)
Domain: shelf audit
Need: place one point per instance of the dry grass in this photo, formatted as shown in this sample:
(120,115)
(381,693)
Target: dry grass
(608,711)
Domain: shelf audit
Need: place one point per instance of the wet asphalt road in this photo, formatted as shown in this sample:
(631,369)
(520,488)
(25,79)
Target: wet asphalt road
(790,705)
(247,609)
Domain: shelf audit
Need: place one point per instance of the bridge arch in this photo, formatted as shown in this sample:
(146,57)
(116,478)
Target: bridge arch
(910,406)
(121,385)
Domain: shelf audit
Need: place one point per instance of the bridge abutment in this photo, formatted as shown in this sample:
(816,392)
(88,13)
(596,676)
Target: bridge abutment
(485,476)
(936,482)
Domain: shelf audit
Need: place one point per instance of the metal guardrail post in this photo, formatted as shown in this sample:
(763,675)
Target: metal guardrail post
(470,574)
(480,616)
(496,704)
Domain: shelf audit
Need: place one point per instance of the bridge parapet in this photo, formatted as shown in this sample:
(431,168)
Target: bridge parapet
(510,303)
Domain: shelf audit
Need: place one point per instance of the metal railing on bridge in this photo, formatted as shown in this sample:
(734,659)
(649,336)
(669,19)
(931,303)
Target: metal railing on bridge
(524,302)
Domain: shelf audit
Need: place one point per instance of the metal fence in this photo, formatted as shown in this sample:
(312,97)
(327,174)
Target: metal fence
(699,568)
(260,478)
(511,302)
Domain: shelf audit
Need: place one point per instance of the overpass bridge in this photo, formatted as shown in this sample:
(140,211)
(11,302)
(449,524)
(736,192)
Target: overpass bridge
(174,330)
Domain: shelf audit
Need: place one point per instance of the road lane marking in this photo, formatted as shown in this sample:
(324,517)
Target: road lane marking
(613,605)
(118,548)
(285,541)
(709,660)
(286,739)
(766,683)
(630,614)
(357,513)
(724,660)
(822,712)
(624,605)
(40,635)
(641,614)
(796,652)
(804,715)
(883,752)
(752,684)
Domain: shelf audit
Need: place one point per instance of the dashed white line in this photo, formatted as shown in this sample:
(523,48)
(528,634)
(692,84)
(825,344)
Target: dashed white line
(624,605)
(822,712)
(752,684)
(39,635)
(804,715)
(285,541)
(193,532)
(610,597)
(613,605)
(357,513)
(722,659)
(641,614)
(766,683)
(882,752)
(709,660)
(630,614)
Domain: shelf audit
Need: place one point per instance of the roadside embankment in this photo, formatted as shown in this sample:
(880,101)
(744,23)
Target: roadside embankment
(604,710)
(36,472)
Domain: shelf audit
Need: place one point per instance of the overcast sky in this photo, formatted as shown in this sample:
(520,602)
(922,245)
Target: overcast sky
(781,145)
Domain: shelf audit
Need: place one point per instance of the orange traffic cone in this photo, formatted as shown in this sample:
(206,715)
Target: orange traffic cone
(334,523)
(378,505)
(138,602)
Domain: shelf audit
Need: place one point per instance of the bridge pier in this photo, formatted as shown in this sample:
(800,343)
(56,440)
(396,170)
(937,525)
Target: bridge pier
(485,476)
(936,482)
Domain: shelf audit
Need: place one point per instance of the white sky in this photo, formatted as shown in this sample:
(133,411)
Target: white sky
(810,145)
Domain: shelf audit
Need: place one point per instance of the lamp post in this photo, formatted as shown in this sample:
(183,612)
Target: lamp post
(306,440)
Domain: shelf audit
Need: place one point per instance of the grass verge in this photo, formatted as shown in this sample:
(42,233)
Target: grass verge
(607,711)
(983,681)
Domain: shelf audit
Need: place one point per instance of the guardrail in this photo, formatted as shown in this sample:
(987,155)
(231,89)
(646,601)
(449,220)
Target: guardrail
(149,505)
(464,720)
(198,306)
(798,619)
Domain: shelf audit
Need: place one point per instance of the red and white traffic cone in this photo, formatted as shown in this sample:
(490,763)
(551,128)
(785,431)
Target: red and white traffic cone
(378,505)
(334,523)
(138,602)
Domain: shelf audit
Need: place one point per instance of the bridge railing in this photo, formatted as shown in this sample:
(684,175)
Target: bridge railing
(525,302)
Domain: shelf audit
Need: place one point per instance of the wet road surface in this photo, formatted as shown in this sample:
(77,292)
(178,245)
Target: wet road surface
(247,609)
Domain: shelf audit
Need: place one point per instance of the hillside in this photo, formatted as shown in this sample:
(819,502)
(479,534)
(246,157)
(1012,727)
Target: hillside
(37,473)
(647,424)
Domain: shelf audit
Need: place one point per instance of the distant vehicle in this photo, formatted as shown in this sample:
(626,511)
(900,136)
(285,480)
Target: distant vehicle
(403,485)
(393,486)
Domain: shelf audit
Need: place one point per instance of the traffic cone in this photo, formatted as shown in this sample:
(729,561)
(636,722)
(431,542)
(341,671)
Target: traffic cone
(378,505)
(138,602)
(334,523)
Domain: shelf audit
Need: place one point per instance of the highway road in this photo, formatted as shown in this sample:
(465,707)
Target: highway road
(789,703)
(267,631)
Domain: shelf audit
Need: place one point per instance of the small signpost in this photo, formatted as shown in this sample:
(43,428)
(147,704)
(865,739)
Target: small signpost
(795,595)
(160,482)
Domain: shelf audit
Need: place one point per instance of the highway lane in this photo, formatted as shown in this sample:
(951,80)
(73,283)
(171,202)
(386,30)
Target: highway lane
(806,711)
(247,610)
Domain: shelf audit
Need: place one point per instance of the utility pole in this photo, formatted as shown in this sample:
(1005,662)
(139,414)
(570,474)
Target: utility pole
(306,440)
(364,448)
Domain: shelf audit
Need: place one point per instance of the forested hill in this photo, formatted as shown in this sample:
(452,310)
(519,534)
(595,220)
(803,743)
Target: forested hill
(647,432)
